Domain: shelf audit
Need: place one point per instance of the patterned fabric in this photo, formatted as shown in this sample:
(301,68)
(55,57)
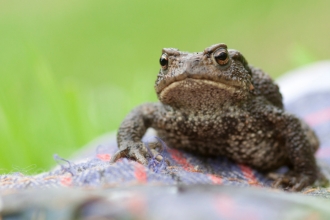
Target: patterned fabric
(146,186)
(184,168)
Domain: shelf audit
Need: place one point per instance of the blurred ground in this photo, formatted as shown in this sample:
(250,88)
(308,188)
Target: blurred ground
(71,70)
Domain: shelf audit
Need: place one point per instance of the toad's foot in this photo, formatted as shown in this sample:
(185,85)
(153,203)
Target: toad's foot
(137,151)
(291,181)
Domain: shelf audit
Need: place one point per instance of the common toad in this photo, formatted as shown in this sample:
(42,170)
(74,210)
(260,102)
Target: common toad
(213,103)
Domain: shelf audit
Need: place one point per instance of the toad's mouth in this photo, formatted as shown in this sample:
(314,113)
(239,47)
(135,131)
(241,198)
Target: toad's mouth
(194,84)
(197,92)
(170,82)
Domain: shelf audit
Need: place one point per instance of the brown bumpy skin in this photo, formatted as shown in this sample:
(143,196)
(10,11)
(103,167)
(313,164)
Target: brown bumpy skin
(214,103)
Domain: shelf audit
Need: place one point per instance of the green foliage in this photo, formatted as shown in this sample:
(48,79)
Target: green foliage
(71,70)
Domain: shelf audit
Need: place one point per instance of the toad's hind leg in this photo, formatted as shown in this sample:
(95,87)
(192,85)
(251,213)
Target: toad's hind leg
(300,151)
(311,136)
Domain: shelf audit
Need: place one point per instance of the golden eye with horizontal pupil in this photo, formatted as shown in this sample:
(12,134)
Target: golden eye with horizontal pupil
(163,61)
(221,56)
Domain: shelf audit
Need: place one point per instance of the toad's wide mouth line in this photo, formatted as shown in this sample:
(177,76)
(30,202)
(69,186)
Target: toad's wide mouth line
(186,81)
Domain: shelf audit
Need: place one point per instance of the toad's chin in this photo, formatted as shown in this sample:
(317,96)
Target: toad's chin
(198,93)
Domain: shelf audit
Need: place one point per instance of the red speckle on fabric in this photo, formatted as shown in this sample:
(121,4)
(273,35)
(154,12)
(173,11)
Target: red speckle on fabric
(215,179)
(66,180)
(104,157)
(225,206)
(319,117)
(248,174)
(178,158)
(323,152)
(228,208)
(140,173)
(137,205)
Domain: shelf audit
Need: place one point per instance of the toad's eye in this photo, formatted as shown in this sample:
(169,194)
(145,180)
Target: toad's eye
(221,56)
(164,61)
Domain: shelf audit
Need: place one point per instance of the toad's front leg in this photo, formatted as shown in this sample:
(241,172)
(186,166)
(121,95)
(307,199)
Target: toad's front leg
(131,132)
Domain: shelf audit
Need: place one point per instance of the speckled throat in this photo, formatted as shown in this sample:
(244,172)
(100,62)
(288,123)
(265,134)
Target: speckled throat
(198,94)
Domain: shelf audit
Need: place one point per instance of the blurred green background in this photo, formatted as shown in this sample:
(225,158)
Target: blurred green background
(72,70)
